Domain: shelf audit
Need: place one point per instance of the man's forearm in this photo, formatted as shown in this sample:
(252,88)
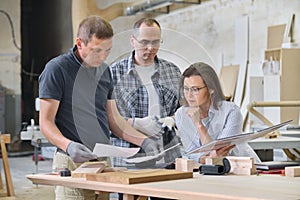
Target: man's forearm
(120,127)
(52,133)
(124,130)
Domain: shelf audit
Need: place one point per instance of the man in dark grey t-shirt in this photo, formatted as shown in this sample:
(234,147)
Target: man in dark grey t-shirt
(76,107)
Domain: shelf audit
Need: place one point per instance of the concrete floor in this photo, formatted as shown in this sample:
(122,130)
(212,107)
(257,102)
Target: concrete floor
(24,189)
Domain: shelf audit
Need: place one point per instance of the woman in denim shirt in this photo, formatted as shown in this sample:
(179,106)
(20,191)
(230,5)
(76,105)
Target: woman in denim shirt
(207,116)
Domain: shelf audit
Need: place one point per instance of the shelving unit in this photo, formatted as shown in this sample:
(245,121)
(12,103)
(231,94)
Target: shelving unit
(285,85)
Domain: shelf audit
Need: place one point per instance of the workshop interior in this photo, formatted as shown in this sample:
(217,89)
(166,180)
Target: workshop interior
(253,45)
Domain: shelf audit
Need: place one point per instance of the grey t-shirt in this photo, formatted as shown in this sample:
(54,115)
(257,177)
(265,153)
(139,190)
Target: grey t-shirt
(83,94)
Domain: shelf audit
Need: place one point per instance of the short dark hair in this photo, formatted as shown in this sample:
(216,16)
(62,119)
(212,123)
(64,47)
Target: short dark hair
(147,21)
(94,25)
(210,79)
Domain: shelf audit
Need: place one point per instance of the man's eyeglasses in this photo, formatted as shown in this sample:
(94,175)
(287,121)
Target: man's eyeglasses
(193,90)
(145,43)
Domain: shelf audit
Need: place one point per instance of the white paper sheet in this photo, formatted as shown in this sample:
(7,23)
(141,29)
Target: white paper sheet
(106,150)
(147,158)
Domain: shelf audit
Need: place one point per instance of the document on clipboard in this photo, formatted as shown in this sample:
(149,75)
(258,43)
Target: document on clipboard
(237,139)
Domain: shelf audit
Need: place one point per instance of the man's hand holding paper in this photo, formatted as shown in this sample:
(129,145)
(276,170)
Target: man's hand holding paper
(142,159)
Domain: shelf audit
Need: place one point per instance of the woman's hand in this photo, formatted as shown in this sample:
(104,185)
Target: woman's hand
(194,114)
(221,152)
(224,151)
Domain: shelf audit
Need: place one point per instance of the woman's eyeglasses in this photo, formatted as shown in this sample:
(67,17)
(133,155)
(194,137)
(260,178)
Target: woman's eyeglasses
(193,90)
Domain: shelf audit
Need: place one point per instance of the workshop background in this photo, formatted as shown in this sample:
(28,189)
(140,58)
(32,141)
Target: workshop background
(33,31)
(219,32)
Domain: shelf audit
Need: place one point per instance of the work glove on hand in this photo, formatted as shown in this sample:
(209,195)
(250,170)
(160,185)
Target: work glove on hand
(167,122)
(79,153)
(151,148)
(149,126)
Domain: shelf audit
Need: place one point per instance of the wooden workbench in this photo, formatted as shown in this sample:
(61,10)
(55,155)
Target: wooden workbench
(200,187)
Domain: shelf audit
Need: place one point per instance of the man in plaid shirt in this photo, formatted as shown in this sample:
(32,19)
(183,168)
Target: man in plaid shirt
(147,90)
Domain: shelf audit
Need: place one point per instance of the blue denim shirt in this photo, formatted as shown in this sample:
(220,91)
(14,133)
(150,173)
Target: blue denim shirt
(224,122)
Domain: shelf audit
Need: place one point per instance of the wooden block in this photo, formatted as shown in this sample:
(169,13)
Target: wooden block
(241,162)
(214,161)
(242,171)
(184,165)
(235,161)
(292,171)
(238,165)
(88,167)
(139,176)
(241,165)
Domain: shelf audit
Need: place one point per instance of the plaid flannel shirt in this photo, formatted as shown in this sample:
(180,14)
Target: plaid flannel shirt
(132,98)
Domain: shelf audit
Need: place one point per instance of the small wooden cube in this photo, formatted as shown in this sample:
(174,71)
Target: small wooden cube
(184,165)
(214,161)
(292,171)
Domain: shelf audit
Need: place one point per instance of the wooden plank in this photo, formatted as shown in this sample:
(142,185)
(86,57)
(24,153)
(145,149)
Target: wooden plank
(241,56)
(139,176)
(275,36)
(228,79)
(199,187)
(290,70)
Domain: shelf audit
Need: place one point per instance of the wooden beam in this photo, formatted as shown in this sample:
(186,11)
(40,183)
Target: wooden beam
(9,184)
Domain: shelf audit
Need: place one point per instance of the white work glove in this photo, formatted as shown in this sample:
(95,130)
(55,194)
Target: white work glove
(79,153)
(149,126)
(167,122)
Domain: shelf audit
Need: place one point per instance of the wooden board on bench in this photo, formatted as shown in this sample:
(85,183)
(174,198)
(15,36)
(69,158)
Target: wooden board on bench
(139,176)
